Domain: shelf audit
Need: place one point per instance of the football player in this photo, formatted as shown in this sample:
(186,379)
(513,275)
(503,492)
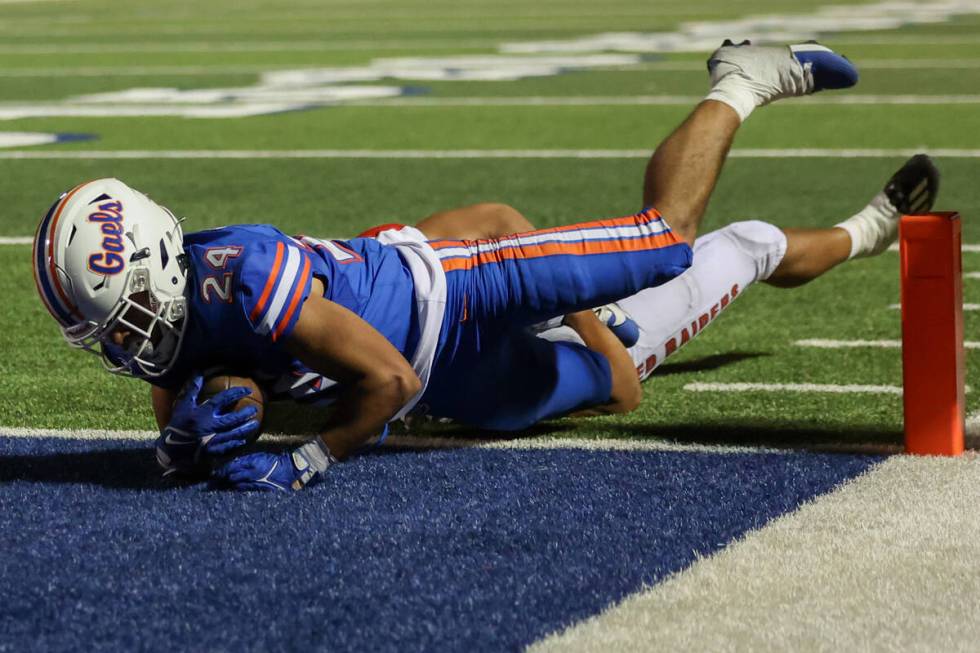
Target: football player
(726,262)
(394,320)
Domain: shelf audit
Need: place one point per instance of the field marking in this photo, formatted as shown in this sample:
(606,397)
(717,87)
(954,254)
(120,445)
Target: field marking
(747,153)
(783,28)
(904,39)
(217,70)
(16,240)
(206,47)
(967,307)
(862,64)
(971,275)
(895,545)
(831,388)
(126,71)
(656,100)
(422,442)
(874,344)
(966,248)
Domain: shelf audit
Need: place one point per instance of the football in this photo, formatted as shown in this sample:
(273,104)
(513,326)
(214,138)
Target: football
(219,382)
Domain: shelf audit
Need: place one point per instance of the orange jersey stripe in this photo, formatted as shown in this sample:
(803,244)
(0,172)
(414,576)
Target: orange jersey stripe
(294,302)
(628,221)
(581,248)
(269,284)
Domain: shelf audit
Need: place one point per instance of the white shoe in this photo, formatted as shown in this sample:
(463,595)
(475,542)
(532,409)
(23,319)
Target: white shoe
(747,76)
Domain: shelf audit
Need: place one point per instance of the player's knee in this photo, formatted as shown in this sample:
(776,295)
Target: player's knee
(764,243)
(500,219)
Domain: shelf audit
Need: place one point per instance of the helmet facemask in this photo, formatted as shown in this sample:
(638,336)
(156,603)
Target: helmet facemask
(154,329)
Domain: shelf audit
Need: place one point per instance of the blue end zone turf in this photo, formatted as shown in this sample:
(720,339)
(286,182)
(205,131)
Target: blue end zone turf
(416,550)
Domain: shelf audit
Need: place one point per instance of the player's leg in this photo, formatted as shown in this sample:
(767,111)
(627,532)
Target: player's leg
(683,170)
(726,262)
(516,380)
(529,277)
(729,260)
(812,252)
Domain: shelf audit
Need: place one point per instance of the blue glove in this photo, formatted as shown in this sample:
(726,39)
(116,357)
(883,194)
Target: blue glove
(197,431)
(284,472)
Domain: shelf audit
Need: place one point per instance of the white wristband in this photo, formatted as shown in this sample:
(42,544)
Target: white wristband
(318,455)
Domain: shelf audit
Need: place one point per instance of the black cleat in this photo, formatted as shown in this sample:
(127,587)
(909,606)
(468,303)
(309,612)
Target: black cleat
(913,189)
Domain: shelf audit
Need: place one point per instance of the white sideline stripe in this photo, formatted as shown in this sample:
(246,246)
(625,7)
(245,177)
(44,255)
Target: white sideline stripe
(413,442)
(747,153)
(966,248)
(794,387)
(847,344)
(897,545)
(967,307)
(136,71)
(78,434)
(862,64)
(972,429)
(971,275)
(661,66)
(16,240)
(653,100)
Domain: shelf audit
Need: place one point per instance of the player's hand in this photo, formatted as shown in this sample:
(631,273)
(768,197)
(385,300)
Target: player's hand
(284,472)
(197,431)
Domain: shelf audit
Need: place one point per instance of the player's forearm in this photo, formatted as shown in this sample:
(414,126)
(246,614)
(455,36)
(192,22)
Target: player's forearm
(626,392)
(366,408)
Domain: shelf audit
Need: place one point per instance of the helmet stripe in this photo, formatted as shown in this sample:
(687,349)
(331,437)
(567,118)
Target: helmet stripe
(40,271)
(53,231)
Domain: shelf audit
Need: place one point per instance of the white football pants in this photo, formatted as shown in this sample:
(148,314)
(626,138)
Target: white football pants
(726,263)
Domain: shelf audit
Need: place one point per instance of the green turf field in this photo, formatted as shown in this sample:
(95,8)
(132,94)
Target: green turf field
(44,384)
(560,147)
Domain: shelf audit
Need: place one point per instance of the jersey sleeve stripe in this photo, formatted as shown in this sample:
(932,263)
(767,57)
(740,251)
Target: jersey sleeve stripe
(283,288)
(304,278)
(269,284)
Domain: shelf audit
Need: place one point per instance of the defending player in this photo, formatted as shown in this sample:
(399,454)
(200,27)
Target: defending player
(391,321)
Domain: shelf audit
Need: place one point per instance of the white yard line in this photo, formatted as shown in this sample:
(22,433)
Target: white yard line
(421,442)
(967,307)
(203,47)
(746,153)
(656,100)
(138,71)
(874,344)
(966,248)
(16,240)
(794,387)
(886,562)
(862,64)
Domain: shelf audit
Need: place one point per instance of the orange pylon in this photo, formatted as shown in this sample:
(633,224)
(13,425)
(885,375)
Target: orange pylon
(932,333)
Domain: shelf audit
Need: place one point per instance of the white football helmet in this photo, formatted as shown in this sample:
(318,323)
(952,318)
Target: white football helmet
(108,258)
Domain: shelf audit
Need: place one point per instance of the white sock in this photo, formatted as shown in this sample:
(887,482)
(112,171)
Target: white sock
(873,228)
(735,91)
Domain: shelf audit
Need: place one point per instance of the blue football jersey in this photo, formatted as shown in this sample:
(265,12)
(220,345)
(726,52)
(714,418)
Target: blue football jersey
(246,287)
